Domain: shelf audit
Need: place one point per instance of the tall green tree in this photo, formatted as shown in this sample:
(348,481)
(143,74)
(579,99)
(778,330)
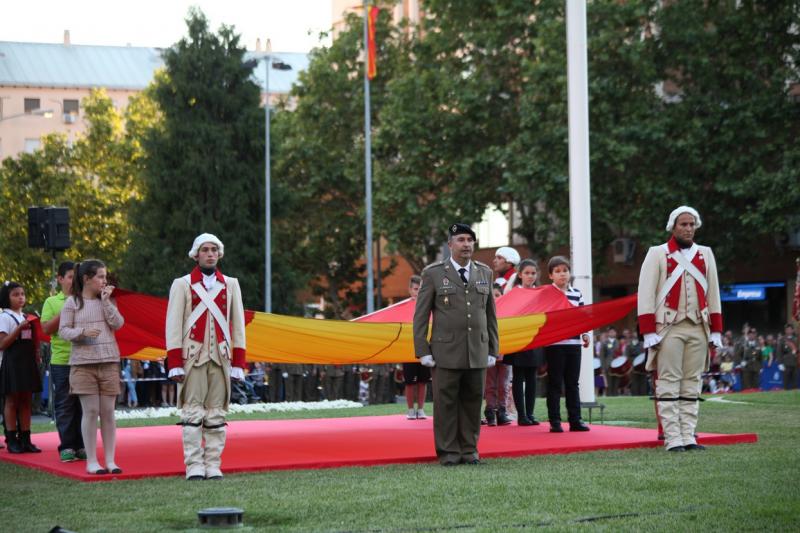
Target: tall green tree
(452,111)
(319,164)
(203,166)
(732,118)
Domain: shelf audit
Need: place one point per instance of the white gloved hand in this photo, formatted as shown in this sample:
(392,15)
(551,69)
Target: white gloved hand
(427,360)
(782,368)
(492,361)
(237,373)
(716,339)
(651,339)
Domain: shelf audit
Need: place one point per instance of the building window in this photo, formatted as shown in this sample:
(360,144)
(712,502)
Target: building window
(71,107)
(32,104)
(31,145)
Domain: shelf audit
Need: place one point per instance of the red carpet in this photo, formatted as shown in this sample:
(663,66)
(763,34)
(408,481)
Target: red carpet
(334,442)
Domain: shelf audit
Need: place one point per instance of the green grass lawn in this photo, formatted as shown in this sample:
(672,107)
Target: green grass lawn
(747,487)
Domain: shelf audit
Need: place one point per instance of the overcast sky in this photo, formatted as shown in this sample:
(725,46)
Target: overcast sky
(292,25)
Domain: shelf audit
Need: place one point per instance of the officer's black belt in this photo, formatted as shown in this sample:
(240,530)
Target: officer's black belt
(698,399)
(192,424)
(215,426)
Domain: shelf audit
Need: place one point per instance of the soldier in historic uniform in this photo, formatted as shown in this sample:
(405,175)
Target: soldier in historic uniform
(679,316)
(206,349)
(462,344)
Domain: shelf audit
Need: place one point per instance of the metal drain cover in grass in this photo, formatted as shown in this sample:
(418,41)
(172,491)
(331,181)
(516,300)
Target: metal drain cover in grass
(221,517)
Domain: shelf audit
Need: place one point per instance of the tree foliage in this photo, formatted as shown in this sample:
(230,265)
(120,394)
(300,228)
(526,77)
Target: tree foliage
(95,177)
(203,169)
(319,164)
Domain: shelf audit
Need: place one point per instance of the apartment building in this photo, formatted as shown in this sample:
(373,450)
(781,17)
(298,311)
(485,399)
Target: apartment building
(42,85)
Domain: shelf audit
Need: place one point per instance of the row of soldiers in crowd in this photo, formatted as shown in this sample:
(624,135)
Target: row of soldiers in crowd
(619,365)
(278,382)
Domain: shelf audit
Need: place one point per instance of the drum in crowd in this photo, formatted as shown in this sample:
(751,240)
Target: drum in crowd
(399,376)
(366,375)
(639,363)
(598,366)
(620,366)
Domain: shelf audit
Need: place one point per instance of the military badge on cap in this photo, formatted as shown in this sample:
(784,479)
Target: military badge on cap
(458,229)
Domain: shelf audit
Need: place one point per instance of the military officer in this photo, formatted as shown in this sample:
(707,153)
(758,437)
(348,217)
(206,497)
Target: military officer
(747,357)
(787,356)
(457,292)
(680,316)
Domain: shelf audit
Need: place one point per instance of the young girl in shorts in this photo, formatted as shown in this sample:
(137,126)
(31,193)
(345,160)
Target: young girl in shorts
(88,320)
(19,375)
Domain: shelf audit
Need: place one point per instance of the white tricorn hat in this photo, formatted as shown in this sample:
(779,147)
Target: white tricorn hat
(509,254)
(202,239)
(681,210)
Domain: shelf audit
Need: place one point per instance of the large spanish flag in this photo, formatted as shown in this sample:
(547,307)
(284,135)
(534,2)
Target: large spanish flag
(526,318)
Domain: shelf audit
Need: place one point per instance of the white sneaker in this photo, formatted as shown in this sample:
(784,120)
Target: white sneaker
(412,414)
(421,414)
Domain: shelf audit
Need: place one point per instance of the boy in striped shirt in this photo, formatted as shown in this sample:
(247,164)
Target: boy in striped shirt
(564,357)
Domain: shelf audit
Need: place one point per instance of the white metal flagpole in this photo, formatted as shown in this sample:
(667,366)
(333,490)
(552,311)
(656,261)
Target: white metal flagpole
(368,167)
(579,183)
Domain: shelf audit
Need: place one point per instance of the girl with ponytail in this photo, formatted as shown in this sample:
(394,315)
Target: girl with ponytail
(88,320)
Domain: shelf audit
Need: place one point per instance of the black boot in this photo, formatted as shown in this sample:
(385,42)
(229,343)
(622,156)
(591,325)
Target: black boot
(12,442)
(502,417)
(490,417)
(25,442)
(578,425)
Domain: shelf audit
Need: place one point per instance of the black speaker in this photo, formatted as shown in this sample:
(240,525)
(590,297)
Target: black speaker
(57,228)
(48,228)
(36,227)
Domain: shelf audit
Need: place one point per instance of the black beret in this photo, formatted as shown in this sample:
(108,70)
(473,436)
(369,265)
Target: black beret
(458,229)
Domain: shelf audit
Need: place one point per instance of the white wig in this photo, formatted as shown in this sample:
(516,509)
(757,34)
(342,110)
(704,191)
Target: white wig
(681,210)
(200,240)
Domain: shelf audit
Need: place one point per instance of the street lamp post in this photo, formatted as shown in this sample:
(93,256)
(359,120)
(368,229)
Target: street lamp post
(46,113)
(267,196)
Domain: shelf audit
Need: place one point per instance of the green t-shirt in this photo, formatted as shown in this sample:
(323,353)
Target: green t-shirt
(59,348)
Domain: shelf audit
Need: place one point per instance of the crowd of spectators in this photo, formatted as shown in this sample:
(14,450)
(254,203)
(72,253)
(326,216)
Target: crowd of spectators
(740,364)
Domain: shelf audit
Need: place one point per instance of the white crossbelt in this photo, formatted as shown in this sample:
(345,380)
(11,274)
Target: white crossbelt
(684,265)
(207,302)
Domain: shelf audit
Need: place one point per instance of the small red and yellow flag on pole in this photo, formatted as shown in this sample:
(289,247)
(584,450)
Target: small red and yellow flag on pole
(372,20)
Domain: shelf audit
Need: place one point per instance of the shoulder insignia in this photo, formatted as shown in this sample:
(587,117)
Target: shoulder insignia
(433,265)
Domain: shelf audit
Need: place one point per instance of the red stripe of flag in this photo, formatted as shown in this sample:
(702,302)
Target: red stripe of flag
(372,66)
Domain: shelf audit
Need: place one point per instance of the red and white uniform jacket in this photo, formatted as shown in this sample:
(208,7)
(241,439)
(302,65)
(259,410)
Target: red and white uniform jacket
(677,284)
(506,279)
(197,317)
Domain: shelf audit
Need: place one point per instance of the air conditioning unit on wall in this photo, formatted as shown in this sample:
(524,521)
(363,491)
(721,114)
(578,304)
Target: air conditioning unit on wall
(624,250)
